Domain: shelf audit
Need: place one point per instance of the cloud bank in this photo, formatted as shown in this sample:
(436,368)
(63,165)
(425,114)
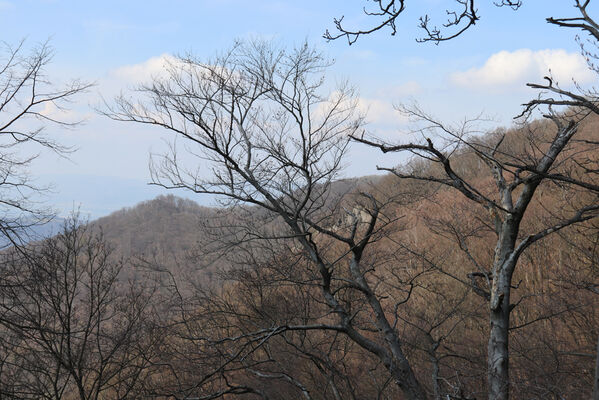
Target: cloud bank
(506,70)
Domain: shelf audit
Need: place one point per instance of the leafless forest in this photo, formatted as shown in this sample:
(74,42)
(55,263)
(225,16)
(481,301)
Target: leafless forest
(469,271)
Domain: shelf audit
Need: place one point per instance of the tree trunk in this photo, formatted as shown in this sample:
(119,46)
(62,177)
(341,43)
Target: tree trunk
(398,365)
(407,382)
(498,349)
(498,358)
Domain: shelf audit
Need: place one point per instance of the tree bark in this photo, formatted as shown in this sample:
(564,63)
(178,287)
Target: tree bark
(498,355)
(499,313)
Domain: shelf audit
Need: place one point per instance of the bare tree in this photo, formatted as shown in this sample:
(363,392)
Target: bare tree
(274,139)
(215,345)
(549,160)
(69,326)
(583,278)
(28,103)
(551,156)
(385,13)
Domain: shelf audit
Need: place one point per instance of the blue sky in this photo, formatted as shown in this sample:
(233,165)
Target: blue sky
(115,43)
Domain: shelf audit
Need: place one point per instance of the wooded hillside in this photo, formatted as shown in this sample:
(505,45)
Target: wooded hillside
(427,259)
(468,271)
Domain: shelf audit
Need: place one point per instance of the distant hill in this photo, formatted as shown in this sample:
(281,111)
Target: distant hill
(170,224)
(167,224)
(171,229)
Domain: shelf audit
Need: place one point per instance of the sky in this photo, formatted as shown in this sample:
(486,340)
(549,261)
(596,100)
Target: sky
(120,44)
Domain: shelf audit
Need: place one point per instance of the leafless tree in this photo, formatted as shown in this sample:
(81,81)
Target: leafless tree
(275,140)
(385,13)
(29,102)
(213,346)
(549,157)
(69,326)
(583,278)
(549,160)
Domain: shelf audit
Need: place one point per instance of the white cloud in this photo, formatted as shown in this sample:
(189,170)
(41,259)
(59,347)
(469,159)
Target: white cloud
(380,112)
(145,71)
(506,69)
(69,116)
(164,66)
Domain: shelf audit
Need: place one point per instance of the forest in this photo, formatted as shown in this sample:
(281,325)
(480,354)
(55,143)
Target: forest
(468,271)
